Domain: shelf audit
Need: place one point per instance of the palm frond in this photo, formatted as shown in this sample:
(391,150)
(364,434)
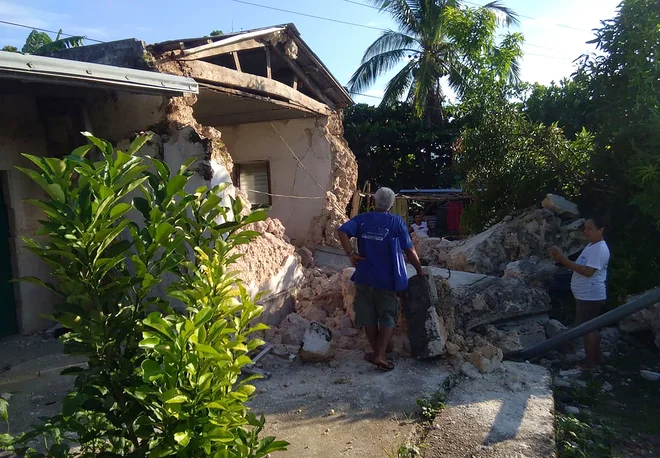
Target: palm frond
(34,41)
(399,84)
(505,16)
(406,13)
(390,41)
(369,71)
(427,74)
(62,43)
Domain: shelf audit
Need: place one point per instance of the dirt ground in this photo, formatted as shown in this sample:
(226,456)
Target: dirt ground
(345,408)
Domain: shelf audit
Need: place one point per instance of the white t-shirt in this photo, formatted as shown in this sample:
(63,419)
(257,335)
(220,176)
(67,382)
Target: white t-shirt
(422,229)
(597,256)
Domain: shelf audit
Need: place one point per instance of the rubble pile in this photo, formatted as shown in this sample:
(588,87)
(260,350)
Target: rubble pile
(644,320)
(513,239)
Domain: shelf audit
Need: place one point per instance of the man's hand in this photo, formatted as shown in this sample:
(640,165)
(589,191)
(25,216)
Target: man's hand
(354,258)
(422,273)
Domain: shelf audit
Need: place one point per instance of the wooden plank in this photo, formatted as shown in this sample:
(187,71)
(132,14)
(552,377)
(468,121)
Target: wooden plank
(269,73)
(355,205)
(223,76)
(237,62)
(295,82)
(234,47)
(311,85)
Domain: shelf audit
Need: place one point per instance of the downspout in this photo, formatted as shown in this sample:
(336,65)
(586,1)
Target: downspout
(650,298)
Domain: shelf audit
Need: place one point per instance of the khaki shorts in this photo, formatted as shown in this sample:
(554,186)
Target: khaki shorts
(587,310)
(375,307)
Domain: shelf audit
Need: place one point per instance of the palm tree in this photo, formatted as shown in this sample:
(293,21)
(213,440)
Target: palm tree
(41,43)
(436,39)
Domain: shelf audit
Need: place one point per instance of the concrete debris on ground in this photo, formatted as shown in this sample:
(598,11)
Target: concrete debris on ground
(513,239)
(317,343)
(647,319)
(650,375)
(554,328)
(426,330)
(533,271)
(560,206)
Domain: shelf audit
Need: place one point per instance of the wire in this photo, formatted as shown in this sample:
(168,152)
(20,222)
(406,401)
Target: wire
(280,195)
(309,15)
(46,30)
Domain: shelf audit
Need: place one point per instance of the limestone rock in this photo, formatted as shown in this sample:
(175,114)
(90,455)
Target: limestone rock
(348,291)
(470,370)
(533,271)
(560,206)
(510,341)
(647,319)
(306,257)
(554,328)
(514,238)
(426,330)
(492,299)
(572,410)
(649,375)
(487,358)
(293,328)
(317,343)
(452,348)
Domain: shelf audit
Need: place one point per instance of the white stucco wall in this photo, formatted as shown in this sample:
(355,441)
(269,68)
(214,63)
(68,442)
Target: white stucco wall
(306,137)
(21,131)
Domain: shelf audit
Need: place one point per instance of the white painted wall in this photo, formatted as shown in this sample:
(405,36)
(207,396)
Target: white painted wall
(258,142)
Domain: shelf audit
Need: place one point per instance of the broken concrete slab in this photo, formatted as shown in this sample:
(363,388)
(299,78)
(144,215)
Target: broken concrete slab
(508,413)
(560,206)
(317,343)
(426,330)
(533,271)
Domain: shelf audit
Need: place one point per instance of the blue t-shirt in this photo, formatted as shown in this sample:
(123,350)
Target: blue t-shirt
(374,232)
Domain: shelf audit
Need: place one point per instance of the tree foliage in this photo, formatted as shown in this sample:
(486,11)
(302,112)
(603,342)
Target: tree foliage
(510,162)
(436,39)
(157,382)
(41,43)
(616,95)
(394,148)
(10,48)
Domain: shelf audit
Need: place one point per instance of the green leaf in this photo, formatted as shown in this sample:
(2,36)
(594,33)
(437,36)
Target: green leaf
(138,143)
(151,370)
(203,316)
(81,151)
(175,185)
(182,438)
(149,343)
(4,409)
(173,397)
(119,210)
(163,231)
(55,191)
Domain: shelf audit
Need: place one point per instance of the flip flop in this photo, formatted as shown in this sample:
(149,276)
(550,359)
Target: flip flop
(385,367)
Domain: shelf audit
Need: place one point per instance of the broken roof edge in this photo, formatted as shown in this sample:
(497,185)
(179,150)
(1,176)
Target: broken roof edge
(63,71)
(289,28)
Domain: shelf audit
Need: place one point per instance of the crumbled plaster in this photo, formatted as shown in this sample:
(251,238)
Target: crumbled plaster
(323,229)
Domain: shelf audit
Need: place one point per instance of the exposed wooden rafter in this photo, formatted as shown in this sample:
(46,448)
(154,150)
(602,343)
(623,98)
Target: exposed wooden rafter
(204,71)
(237,62)
(309,84)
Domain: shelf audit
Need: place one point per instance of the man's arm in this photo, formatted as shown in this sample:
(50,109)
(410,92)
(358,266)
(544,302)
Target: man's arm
(348,248)
(414,260)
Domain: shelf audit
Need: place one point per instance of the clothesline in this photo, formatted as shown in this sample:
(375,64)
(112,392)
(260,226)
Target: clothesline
(281,195)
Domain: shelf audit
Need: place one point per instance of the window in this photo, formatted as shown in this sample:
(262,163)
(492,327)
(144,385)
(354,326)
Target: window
(254,179)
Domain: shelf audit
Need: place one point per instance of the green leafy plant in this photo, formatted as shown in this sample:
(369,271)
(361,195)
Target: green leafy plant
(157,382)
(431,406)
(41,43)
(575,438)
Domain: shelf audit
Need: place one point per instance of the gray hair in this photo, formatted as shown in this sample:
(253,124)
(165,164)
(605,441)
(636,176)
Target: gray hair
(384,199)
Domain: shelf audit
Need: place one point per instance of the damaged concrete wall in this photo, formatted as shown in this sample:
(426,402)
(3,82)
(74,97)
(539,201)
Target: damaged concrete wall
(267,264)
(323,230)
(21,131)
(307,138)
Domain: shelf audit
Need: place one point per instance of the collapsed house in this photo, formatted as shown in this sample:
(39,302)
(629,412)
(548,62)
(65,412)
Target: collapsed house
(257,109)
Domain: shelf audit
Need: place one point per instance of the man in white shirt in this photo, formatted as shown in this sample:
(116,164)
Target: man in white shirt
(419,226)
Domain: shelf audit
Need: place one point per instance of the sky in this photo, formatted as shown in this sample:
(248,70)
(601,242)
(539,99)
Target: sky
(556,31)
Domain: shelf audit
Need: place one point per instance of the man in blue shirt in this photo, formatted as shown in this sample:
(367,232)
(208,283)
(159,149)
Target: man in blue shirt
(376,302)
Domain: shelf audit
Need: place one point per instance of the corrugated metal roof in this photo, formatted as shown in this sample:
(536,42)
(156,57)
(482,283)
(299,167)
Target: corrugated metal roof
(69,72)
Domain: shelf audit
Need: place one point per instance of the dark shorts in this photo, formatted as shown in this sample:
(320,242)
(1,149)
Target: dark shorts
(587,310)
(374,307)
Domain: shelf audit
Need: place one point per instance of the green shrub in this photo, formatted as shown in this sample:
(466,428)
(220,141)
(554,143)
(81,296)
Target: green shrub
(157,383)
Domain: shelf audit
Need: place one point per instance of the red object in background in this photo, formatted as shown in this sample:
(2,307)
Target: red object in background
(454,212)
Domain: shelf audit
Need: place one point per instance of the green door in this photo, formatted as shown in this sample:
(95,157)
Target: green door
(7,306)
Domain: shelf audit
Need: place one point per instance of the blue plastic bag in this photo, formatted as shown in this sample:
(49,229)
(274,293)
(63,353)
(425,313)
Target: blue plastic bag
(400,272)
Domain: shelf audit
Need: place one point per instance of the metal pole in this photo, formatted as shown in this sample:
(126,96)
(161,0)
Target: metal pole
(642,302)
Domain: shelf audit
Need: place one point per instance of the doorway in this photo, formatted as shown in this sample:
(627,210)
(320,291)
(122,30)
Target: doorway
(8,325)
